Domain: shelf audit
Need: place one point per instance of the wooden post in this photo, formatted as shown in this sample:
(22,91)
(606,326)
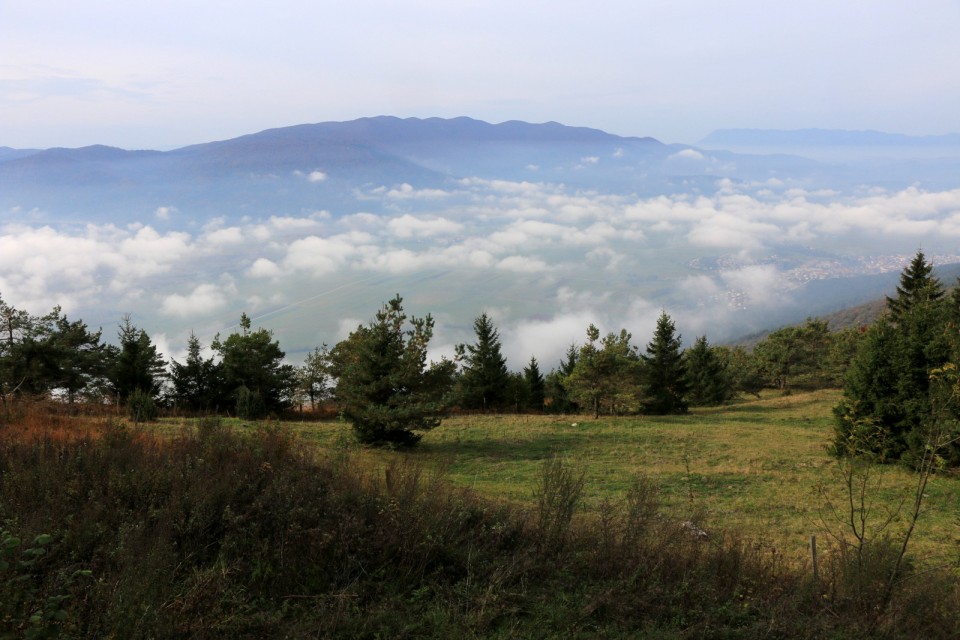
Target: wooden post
(813,556)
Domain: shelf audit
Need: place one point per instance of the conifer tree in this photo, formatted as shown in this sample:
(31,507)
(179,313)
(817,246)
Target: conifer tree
(707,376)
(485,379)
(535,385)
(557,389)
(665,380)
(136,366)
(887,391)
(254,375)
(384,384)
(917,285)
(196,383)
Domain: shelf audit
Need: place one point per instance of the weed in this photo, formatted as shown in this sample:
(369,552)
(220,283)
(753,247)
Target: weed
(557,495)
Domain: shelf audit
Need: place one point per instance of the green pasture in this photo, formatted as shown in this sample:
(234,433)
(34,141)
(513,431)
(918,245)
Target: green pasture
(760,467)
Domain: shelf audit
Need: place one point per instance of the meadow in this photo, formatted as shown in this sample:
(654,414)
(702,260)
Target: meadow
(495,526)
(759,466)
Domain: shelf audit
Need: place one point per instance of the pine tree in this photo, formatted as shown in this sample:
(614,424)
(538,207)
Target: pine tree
(707,376)
(535,385)
(485,380)
(556,384)
(917,286)
(665,386)
(384,384)
(314,376)
(254,375)
(886,404)
(136,364)
(196,383)
(606,373)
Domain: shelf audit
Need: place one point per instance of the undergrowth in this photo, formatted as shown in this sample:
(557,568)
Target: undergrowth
(216,533)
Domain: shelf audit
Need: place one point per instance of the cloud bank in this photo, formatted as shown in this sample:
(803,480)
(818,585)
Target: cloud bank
(553,259)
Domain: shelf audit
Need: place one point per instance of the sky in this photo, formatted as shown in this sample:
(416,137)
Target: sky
(165,74)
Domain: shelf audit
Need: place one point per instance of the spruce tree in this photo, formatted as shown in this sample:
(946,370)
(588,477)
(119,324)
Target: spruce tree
(136,364)
(917,286)
(665,381)
(535,385)
(254,376)
(707,376)
(886,405)
(485,380)
(196,382)
(556,384)
(384,384)
(874,414)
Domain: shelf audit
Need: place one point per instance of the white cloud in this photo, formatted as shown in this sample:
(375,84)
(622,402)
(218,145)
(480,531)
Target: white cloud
(762,284)
(728,231)
(263,268)
(163,213)
(289,223)
(406,191)
(225,236)
(148,252)
(317,176)
(203,300)
(407,226)
(523,264)
(321,256)
(687,154)
(547,340)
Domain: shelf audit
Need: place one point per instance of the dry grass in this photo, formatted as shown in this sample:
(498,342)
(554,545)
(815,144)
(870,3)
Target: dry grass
(239,530)
(754,467)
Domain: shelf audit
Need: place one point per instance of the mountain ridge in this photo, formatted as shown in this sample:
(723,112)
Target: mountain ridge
(823,137)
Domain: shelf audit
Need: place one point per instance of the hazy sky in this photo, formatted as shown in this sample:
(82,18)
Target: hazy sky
(163,74)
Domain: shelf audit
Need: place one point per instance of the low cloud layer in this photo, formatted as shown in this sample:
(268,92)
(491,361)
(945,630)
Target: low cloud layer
(553,259)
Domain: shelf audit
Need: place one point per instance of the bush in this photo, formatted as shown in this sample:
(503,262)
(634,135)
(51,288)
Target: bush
(141,406)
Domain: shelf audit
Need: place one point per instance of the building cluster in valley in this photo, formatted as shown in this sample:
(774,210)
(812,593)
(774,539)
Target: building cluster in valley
(798,271)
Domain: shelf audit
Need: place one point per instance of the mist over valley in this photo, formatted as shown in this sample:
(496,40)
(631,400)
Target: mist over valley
(547,228)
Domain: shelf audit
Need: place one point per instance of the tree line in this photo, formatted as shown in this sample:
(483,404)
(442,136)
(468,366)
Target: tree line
(381,368)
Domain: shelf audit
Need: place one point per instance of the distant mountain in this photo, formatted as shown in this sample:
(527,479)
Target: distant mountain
(265,170)
(6,153)
(778,139)
(325,165)
(887,160)
(556,226)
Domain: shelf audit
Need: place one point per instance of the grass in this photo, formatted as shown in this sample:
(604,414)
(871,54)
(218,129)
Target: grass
(757,466)
(233,529)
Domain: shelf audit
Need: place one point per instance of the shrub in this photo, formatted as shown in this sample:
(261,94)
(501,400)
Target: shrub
(141,406)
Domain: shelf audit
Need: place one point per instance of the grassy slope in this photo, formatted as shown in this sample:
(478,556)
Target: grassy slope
(217,534)
(754,466)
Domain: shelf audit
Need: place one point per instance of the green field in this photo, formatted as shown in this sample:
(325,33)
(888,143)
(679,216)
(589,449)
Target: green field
(760,467)
(225,528)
